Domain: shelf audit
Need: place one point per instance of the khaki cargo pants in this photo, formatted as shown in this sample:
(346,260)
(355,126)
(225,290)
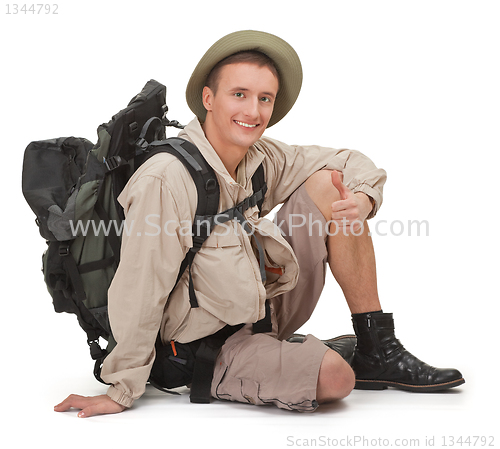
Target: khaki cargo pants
(264,368)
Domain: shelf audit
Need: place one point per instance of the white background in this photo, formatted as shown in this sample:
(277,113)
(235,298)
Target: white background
(412,84)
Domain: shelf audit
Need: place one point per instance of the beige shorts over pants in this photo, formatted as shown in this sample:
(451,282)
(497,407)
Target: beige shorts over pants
(264,368)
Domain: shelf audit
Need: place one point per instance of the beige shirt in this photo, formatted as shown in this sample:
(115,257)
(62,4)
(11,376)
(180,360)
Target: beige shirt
(160,203)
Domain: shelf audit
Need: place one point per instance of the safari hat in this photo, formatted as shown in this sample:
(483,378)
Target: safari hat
(283,55)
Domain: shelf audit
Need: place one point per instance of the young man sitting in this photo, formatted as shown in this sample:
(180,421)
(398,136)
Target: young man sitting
(246,82)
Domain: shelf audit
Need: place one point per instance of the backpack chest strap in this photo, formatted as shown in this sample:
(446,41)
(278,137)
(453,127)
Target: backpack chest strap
(204,224)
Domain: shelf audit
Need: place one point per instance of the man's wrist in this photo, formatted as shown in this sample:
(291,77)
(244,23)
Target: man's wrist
(368,201)
(119,397)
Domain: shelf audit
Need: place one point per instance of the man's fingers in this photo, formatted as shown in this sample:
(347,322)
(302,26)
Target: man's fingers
(90,406)
(345,215)
(92,410)
(104,406)
(73,400)
(85,413)
(344,205)
(337,206)
(337,178)
(345,210)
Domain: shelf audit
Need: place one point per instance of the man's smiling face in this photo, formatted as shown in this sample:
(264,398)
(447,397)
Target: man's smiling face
(239,112)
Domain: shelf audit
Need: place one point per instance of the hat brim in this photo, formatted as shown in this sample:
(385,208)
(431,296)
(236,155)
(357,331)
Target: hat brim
(284,56)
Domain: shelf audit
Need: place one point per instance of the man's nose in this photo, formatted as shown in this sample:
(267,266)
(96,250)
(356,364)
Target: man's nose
(252,108)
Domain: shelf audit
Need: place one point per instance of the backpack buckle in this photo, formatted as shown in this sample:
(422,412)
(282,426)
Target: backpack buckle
(63,249)
(95,350)
(141,145)
(113,162)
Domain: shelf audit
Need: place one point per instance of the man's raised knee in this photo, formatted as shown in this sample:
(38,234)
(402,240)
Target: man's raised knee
(321,190)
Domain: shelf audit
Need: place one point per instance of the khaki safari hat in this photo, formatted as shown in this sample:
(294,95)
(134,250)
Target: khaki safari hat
(284,56)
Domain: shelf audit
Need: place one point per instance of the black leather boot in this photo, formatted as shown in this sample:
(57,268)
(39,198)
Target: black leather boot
(343,345)
(381,361)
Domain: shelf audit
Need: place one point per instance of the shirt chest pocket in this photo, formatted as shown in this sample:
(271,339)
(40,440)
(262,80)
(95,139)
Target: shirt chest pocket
(225,276)
(225,235)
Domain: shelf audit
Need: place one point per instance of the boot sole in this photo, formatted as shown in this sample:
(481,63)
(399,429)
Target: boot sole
(384,384)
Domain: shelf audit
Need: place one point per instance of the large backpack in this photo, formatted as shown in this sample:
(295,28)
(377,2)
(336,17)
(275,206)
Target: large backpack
(73,185)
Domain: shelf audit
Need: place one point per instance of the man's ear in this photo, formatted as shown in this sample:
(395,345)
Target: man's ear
(207,96)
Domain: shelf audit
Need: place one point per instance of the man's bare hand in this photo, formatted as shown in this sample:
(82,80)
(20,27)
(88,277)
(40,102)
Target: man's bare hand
(351,210)
(90,406)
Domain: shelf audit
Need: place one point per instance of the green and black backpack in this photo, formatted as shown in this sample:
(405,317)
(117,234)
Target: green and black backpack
(72,186)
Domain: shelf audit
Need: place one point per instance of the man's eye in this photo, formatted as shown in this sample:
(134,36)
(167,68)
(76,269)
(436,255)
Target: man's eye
(238,94)
(265,99)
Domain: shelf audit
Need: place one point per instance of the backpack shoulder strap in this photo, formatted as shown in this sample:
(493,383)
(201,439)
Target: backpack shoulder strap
(208,190)
(202,173)
(259,185)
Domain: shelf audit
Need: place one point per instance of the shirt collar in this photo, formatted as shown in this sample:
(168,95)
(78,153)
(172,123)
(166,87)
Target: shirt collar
(194,133)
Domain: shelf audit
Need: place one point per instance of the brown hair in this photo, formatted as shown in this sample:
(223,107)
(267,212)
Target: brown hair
(249,56)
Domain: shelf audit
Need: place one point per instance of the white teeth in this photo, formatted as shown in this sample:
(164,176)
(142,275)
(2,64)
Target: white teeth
(246,125)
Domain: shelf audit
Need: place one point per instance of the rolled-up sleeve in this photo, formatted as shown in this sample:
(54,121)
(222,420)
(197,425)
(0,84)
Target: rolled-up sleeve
(288,166)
